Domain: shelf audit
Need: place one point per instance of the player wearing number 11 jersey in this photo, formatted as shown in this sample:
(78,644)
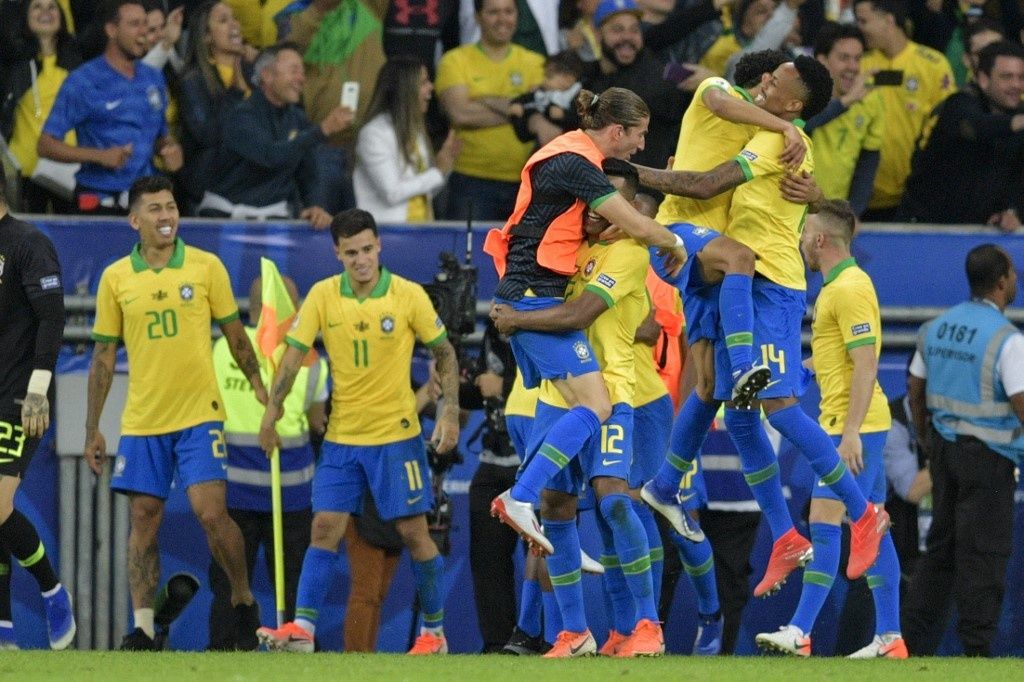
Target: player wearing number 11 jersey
(160,300)
(370,320)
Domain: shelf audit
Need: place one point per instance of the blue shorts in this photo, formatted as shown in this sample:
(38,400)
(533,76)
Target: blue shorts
(397,475)
(778,317)
(652,427)
(609,453)
(693,491)
(519,428)
(700,300)
(549,355)
(147,464)
(871,480)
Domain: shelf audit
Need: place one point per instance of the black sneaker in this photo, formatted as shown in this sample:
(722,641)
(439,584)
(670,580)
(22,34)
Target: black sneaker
(137,640)
(522,644)
(247,622)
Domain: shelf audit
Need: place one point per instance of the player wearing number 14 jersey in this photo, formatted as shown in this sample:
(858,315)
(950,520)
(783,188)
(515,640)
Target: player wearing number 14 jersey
(160,300)
(370,320)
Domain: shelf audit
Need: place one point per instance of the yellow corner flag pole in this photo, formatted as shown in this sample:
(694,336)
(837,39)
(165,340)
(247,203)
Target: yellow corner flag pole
(275,319)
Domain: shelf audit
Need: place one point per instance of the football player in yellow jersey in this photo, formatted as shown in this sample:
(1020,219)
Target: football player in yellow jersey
(370,320)
(848,133)
(770,225)
(912,80)
(845,345)
(608,297)
(160,300)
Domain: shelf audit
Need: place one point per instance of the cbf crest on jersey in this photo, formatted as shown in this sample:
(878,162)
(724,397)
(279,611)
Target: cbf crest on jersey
(154,98)
(589,267)
(387,323)
(187,292)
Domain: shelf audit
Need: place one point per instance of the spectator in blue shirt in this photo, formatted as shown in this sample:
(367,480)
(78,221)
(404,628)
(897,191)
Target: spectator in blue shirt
(116,105)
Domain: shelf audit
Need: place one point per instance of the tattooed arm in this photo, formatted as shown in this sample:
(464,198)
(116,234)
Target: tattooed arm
(245,357)
(291,362)
(692,184)
(446,429)
(101,375)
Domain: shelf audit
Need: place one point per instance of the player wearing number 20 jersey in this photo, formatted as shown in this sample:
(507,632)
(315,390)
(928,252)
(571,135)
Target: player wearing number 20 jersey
(163,316)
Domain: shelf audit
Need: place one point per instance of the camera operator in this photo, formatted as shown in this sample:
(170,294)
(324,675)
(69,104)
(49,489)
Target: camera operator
(492,545)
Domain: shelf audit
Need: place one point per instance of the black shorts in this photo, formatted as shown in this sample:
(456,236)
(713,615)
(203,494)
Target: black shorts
(15,449)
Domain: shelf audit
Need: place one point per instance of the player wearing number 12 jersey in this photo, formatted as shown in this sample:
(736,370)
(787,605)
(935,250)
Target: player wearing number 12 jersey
(160,300)
(370,320)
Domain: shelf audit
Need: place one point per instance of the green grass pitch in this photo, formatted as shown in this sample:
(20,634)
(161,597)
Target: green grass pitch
(75,666)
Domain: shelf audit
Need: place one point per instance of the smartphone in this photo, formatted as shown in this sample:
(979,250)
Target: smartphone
(888,77)
(676,73)
(350,95)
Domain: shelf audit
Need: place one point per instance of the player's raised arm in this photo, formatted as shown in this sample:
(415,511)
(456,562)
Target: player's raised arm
(101,376)
(723,105)
(693,184)
(245,357)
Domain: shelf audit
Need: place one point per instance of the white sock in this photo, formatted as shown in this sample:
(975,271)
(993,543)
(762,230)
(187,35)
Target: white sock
(144,620)
(436,632)
(307,625)
(6,624)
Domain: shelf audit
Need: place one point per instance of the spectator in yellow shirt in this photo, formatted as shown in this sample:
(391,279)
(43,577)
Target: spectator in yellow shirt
(913,80)
(476,84)
(45,53)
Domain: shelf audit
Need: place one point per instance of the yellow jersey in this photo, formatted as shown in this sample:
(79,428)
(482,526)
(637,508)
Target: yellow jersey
(649,386)
(256,18)
(846,316)
(163,315)
(717,56)
(521,401)
(617,272)
(492,153)
(761,219)
(927,81)
(31,114)
(838,144)
(369,342)
(705,141)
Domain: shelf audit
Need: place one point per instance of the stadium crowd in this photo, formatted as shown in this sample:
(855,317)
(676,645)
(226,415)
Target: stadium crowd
(241,101)
(349,113)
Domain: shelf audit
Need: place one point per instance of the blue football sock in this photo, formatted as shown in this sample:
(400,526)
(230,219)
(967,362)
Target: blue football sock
(564,441)
(429,576)
(316,577)
(552,616)
(699,564)
(623,612)
(884,581)
(564,570)
(646,516)
(819,574)
(760,468)
(736,307)
(688,433)
(529,608)
(804,433)
(633,551)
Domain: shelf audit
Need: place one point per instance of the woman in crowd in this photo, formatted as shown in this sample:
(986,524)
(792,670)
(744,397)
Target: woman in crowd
(396,176)
(45,53)
(214,80)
